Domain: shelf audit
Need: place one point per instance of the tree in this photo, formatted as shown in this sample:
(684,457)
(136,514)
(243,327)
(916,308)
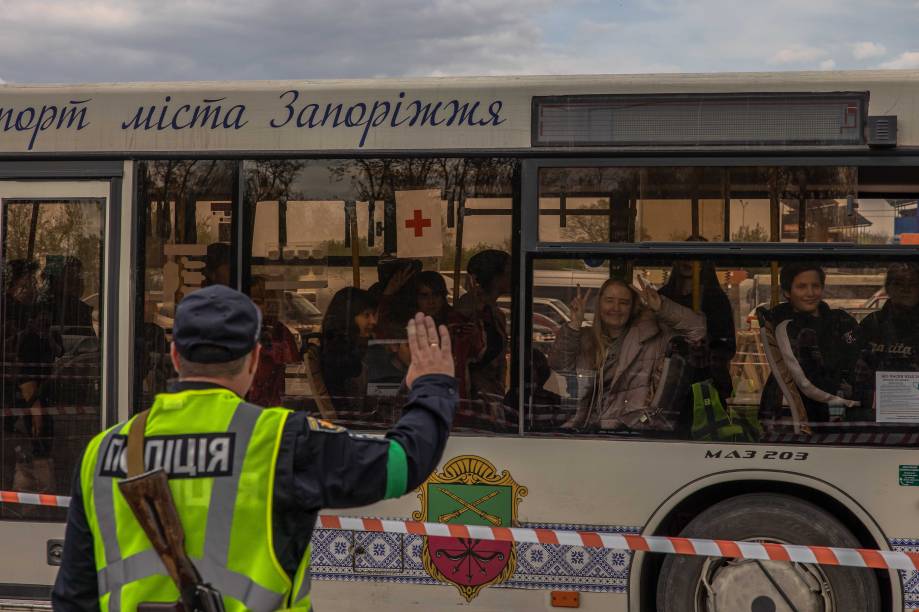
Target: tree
(64,229)
(745,233)
(874,238)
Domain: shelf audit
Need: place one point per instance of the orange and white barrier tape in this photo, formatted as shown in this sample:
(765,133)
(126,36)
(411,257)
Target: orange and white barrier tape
(34,499)
(764,551)
(50,411)
(822,555)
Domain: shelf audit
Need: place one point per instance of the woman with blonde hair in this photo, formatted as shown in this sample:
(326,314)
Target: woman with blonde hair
(623,354)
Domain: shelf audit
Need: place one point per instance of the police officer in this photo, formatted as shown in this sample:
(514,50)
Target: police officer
(248,482)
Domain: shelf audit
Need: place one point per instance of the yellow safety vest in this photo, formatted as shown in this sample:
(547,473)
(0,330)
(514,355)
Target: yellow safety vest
(220,453)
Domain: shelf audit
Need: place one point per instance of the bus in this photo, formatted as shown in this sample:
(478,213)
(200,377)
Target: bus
(719,192)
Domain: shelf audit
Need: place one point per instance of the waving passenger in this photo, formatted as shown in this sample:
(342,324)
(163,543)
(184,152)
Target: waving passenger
(888,339)
(817,345)
(624,351)
(479,329)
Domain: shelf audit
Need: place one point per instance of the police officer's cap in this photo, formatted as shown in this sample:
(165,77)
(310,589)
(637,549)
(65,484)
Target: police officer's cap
(216,325)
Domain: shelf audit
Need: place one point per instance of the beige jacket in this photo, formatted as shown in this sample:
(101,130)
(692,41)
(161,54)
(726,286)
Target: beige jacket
(622,397)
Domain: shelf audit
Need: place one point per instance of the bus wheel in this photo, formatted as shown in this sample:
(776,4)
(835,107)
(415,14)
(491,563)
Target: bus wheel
(709,584)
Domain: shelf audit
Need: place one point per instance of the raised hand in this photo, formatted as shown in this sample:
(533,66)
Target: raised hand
(650,297)
(430,354)
(398,280)
(578,308)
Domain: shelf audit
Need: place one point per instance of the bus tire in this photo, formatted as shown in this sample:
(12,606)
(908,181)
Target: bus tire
(743,585)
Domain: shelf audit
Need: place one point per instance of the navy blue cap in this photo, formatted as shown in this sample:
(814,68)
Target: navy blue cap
(216,325)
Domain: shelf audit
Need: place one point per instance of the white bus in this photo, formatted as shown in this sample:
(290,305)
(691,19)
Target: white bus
(117,200)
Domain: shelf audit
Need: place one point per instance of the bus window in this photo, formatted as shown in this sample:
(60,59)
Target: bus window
(51,344)
(343,252)
(587,204)
(186,244)
(676,203)
(755,204)
(819,367)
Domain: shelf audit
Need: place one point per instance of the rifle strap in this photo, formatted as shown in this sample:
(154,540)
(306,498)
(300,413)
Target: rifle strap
(135,448)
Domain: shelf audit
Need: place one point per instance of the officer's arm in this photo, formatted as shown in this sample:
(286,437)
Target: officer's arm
(335,468)
(417,441)
(76,587)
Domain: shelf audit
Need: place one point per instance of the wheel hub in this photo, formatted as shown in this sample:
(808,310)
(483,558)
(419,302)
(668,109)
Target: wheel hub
(750,585)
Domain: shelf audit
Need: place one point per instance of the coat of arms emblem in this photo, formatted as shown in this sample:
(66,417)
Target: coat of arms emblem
(470,491)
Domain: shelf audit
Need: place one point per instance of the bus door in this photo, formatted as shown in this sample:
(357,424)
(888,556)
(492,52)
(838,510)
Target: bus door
(51,392)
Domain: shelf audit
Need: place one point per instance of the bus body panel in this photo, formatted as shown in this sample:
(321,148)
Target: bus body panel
(606,485)
(482,113)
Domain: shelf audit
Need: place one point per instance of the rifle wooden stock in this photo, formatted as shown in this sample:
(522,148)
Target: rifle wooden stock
(151,501)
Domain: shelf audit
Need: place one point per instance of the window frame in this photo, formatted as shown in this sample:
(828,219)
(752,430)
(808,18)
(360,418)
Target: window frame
(243,218)
(531,248)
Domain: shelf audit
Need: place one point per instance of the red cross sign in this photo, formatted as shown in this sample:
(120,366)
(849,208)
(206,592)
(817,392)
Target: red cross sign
(418,223)
(419,229)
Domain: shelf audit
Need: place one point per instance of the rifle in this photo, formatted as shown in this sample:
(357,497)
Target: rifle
(150,499)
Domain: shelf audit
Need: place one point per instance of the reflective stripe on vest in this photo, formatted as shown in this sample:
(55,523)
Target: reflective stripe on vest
(105,516)
(301,590)
(222,504)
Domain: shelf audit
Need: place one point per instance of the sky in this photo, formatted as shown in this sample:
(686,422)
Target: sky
(64,41)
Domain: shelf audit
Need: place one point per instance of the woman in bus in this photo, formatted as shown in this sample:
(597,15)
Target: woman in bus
(479,330)
(346,328)
(624,351)
(710,359)
(822,339)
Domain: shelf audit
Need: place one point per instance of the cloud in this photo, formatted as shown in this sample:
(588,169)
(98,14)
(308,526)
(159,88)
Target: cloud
(133,40)
(827,64)
(909,59)
(597,27)
(797,54)
(868,50)
(96,15)
(287,39)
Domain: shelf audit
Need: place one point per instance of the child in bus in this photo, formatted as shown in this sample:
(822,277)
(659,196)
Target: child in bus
(623,353)
(888,339)
(430,291)
(347,327)
(823,341)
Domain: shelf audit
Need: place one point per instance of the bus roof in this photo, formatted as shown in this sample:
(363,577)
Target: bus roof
(644,83)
